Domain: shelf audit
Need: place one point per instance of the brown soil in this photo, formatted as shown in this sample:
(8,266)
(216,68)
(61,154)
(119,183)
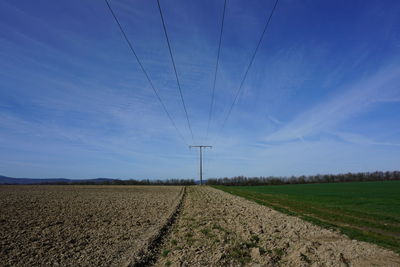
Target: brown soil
(219,229)
(81,225)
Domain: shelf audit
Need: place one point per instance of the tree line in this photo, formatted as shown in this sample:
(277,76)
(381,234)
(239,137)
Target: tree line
(126,182)
(319,178)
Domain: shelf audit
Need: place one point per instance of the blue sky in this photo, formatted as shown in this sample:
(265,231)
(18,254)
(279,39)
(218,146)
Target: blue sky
(323,94)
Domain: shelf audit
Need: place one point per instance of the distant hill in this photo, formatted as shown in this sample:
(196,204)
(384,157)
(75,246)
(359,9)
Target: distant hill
(11,180)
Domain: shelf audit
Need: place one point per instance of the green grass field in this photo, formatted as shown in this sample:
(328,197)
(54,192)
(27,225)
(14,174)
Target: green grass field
(367,211)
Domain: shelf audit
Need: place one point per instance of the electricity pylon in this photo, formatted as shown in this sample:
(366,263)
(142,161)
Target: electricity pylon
(201,160)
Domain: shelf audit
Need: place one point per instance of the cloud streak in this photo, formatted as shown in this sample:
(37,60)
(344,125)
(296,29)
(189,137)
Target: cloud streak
(353,100)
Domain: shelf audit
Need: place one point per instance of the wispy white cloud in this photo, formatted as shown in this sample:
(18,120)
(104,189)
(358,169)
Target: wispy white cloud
(274,120)
(388,100)
(362,140)
(354,99)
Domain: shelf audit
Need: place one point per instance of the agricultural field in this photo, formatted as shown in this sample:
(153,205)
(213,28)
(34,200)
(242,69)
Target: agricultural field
(368,211)
(165,226)
(220,229)
(81,225)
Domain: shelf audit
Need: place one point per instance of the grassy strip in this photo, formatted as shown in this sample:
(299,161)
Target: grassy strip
(357,230)
(328,214)
(372,201)
(322,212)
(331,214)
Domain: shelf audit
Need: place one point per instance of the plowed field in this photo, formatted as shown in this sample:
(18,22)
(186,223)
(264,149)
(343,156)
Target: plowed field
(80,225)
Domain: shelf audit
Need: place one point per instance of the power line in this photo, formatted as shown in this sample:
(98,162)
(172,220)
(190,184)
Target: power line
(249,66)
(216,71)
(176,73)
(144,71)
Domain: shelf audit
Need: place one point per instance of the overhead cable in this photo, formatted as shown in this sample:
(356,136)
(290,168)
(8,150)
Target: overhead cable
(176,73)
(145,72)
(238,91)
(216,71)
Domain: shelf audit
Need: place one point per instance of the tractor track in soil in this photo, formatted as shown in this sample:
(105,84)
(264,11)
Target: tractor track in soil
(148,256)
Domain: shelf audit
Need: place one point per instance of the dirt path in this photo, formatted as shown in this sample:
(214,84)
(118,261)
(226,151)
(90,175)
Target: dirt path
(219,229)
